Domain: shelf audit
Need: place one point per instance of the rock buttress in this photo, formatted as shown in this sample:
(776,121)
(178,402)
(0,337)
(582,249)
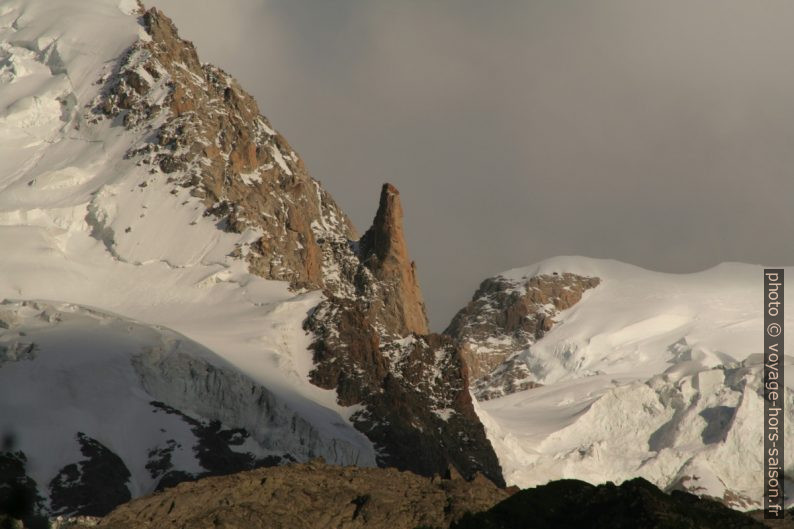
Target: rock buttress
(384,251)
(372,346)
(505,317)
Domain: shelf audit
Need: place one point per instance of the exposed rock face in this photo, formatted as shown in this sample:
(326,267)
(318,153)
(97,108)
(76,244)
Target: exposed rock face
(93,486)
(383,250)
(419,412)
(507,316)
(310,496)
(207,134)
(213,451)
(224,397)
(19,496)
(203,132)
(414,387)
(318,495)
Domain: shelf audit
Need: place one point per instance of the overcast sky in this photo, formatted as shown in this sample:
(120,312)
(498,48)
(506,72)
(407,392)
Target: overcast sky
(660,133)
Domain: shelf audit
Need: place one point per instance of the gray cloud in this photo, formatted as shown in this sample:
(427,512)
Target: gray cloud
(654,132)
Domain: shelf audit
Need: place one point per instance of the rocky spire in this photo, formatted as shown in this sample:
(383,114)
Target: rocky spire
(413,393)
(384,252)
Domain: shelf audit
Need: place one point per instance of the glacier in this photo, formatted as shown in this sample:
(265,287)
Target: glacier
(651,374)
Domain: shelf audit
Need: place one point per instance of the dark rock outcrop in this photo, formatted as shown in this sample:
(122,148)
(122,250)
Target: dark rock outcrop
(414,387)
(92,486)
(635,504)
(786,522)
(310,496)
(317,495)
(505,317)
(213,452)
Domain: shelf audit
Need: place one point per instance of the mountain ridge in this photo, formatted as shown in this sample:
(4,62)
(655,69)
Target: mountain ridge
(159,193)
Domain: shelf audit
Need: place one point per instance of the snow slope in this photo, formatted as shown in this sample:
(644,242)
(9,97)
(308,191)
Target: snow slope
(109,244)
(650,374)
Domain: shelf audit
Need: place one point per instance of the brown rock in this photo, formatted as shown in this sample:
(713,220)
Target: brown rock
(418,411)
(506,317)
(385,253)
(413,388)
(309,496)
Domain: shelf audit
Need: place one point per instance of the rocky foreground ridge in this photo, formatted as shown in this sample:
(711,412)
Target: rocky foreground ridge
(634,504)
(317,495)
(312,495)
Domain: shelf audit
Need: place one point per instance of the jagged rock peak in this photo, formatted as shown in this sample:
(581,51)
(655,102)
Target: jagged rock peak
(384,251)
(385,238)
(506,316)
(309,496)
(197,126)
(372,346)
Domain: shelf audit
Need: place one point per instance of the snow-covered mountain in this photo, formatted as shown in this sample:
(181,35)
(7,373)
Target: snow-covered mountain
(179,296)
(633,373)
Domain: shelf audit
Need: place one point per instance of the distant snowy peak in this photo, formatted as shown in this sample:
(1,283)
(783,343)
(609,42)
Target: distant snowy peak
(574,264)
(645,374)
(606,316)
